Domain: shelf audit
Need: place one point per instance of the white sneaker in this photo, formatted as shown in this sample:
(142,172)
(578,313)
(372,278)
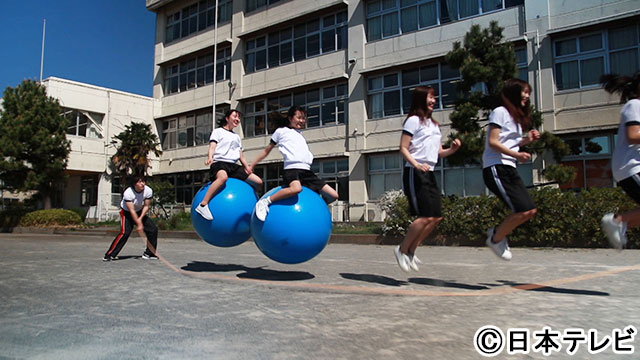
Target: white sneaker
(413,262)
(262,208)
(501,249)
(403,260)
(615,231)
(204,212)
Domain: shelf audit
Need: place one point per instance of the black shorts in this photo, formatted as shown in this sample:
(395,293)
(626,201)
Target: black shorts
(506,184)
(306,177)
(421,189)
(631,186)
(233,170)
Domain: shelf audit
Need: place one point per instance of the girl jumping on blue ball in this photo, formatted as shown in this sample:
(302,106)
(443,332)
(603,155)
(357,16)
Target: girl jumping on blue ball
(297,161)
(225,150)
(420,146)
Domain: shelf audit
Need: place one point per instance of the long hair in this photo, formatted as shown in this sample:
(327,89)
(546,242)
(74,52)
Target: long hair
(223,121)
(627,86)
(282,120)
(419,106)
(512,100)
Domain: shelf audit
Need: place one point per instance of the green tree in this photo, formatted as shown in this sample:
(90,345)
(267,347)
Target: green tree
(484,59)
(163,194)
(133,146)
(33,146)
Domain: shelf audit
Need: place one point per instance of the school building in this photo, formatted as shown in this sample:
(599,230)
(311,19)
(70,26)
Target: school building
(351,64)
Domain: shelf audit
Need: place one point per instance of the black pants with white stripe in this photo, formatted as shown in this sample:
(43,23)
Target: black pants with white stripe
(421,189)
(126,226)
(506,184)
(631,186)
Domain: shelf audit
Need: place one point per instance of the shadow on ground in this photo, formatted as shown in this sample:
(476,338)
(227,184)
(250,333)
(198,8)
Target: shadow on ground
(258,273)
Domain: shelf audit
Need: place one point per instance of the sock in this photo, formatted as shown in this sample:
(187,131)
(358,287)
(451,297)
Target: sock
(268,199)
(202,205)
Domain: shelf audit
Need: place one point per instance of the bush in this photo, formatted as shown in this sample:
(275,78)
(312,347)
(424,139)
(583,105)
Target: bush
(10,217)
(52,217)
(398,218)
(564,219)
(81,212)
(179,221)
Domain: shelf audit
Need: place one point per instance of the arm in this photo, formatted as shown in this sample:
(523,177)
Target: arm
(262,155)
(405,140)
(495,144)
(455,145)
(633,134)
(137,219)
(532,135)
(246,166)
(212,149)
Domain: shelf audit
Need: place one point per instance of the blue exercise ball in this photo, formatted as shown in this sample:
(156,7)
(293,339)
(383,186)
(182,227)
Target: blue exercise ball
(296,229)
(231,208)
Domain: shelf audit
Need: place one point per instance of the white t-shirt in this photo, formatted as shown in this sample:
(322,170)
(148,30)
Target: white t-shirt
(228,145)
(137,198)
(425,140)
(293,147)
(626,157)
(510,136)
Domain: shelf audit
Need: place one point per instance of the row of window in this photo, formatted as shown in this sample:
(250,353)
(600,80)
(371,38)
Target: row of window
(387,18)
(189,130)
(297,42)
(581,60)
(197,72)
(324,106)
(195,18)
(186,184)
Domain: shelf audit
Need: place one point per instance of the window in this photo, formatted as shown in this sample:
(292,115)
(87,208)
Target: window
(581,60)
(521,63)
(336,175)
(84,123)
(195,18)
(591,156)
(298,42)
(252,5)
(192,129)
(271,175)
(386,18)
(385,173)
(185,184)
(197,72)
(324,106)
(88,191)
(390,94)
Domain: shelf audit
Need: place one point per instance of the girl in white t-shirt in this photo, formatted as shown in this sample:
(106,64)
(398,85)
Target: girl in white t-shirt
(297,161)
(420,146)
(501,153)
(225,150)
(626,155)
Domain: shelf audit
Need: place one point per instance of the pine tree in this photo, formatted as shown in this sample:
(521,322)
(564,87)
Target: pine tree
(485,62)
(33,146)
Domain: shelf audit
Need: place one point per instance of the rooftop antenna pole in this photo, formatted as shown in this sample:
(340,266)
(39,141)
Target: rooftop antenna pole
(44,27)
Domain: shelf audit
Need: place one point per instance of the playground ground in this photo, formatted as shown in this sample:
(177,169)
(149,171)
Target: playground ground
(59,300)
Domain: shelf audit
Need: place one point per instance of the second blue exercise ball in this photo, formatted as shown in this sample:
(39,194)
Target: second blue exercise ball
(296,229)
(231,208)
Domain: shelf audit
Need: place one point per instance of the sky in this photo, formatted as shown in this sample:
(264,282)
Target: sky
(107,43)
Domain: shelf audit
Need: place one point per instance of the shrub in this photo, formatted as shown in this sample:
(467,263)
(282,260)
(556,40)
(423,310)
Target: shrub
(10,217)
(564,219)
(52,217)
(398,218)
(81,212)
(178,221)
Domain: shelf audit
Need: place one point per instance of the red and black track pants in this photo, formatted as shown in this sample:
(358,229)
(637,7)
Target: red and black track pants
(126,226)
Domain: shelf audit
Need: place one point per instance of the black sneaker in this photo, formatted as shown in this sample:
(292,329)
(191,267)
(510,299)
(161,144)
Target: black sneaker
(149,256)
